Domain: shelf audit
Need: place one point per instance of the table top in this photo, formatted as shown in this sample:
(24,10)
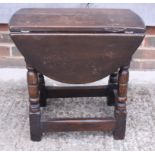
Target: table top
(76,20)
(76,45)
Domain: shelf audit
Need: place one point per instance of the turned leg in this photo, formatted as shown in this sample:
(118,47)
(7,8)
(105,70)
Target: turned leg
(34,111)
(42,89)
(120,108)
(112,85)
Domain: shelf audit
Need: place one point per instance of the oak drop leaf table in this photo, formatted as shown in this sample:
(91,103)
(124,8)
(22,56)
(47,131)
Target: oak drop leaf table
(77,46)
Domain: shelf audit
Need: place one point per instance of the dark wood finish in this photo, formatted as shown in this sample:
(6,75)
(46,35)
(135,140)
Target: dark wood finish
(77,58)
(79,124)
(77,46)
(34,110)
(76,91)
(76,41)
(77,20)
(112,83)
(42,89)
(120,108)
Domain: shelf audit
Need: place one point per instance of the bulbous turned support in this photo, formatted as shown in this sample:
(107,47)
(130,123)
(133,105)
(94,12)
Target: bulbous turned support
(34,108)
(42,89)
(112,86)
(120,108)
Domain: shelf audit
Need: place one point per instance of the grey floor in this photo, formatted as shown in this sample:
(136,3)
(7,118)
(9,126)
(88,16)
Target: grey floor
(14,122)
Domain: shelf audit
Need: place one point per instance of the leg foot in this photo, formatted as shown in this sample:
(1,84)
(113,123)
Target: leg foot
(35,127)
(120,116)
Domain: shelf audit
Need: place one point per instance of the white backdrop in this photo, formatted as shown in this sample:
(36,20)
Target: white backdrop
(146,11)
